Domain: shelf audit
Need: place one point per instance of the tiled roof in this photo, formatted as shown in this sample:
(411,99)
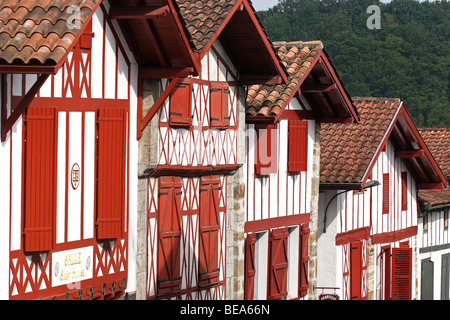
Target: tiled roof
(438,141)
(435,197)
(296,57)
(40,32)
(347,149)
(203,18)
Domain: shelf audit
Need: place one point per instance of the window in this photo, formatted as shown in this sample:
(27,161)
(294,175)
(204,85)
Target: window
(401,273)
(39,178)
(219,97)
(169,235)
(404,190)
(267,149)
(208,269)
(298,145)
(386,193)
(180,105)
(445,218)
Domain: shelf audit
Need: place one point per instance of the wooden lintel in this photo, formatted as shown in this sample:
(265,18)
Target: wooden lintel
(138,12)
(410,153)
(318,88)
(428,186)
(169,73)
(259,79)
(297,114)
(334,120)
(260,119)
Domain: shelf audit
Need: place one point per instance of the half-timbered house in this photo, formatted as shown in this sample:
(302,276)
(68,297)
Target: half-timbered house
(281,169)
(191,125)
(433,235)
(68,152)
(368,208)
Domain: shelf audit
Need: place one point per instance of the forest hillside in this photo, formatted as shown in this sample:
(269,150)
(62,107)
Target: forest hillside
(406,57)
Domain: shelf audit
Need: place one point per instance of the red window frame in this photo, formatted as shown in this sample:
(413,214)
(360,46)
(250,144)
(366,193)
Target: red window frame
(386,193)
(298,146)
(169,235)
(404,178)
(218,102)
(266,149)
(180,105)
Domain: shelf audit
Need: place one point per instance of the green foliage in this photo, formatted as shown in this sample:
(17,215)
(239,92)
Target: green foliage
(407,58)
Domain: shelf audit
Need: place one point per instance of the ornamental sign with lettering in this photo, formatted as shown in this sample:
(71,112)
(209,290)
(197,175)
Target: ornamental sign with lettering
(75,176)
(71,266)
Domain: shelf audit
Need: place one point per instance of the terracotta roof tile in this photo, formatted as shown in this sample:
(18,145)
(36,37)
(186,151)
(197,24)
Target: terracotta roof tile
(438,141)
(263,100)
(347,149)
(39,31)
(435,197)
(203,18)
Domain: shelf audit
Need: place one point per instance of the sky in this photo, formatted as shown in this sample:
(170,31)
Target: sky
(265,4)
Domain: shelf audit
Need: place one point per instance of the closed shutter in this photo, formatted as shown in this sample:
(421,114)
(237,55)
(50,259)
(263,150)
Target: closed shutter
(401,273)
(169,231)
(386,193)
(110,173)
(219,97)
(304,262)
(180,105)
(298,145)
(404,191)
(40,177)
(267,149)
(86,38)
(250,267)
(355,270)
(278,264)
(208,268)
(427,280)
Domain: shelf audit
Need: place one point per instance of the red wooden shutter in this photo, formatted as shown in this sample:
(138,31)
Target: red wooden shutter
(219,97)
(169,231)
(401,273)
(355,270)
(278,264)
(404,191)
(304,259)
(86,37)
(40,165)
(267,149)
(110,173)
(298,145)
(180,105)
(209,231)
(386,193)
(250,267)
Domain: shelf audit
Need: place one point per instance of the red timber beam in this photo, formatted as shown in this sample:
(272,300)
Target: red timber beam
(353,235)
(394,236)
(409,153)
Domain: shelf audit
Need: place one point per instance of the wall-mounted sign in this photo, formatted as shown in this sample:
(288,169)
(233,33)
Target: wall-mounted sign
(75,176)
(327,296)
(72,266)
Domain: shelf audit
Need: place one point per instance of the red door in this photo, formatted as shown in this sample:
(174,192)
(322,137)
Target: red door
(355,270)
(278,264)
